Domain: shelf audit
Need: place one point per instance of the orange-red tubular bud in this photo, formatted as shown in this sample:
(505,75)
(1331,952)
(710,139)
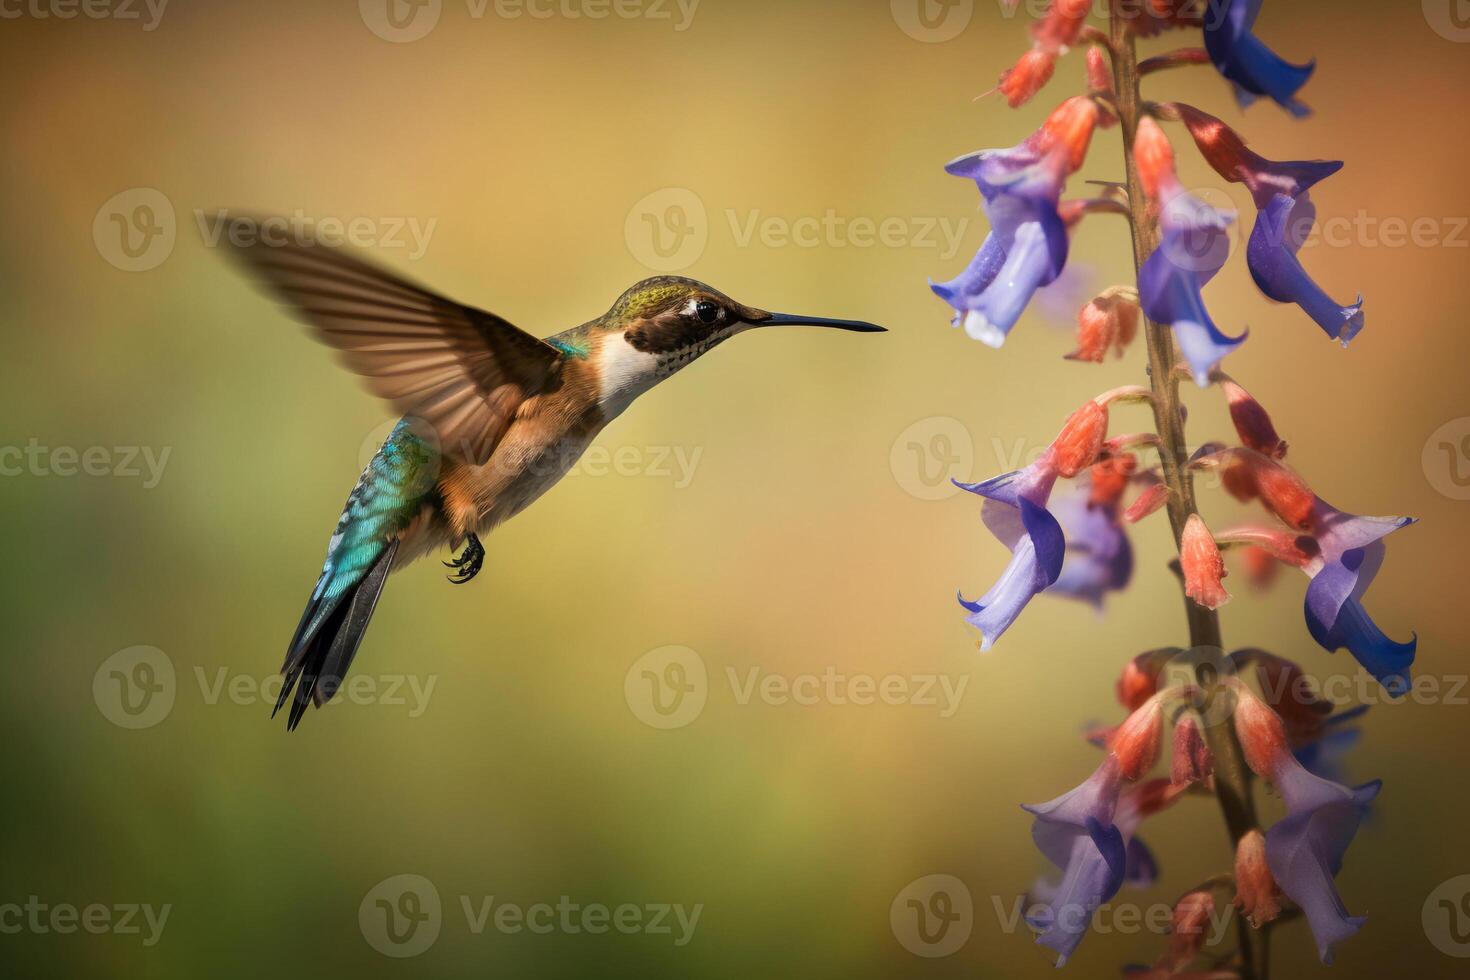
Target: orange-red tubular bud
(1155,157)
(1099,74)
(1070,125)
(1058,30)
(1284,493)
(1191,927)
(1149,501)
(1031,72)
(1109,479)
(1139,680)
(1261,732)
(1136,742)
(1256,894)
(1109,320)
(1251,421)
(1247,474)
(1191,761)
(1260,566)
(1078,444)
(1199,556)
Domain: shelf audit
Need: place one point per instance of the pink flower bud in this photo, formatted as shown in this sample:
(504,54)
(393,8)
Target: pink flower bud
(1136,742)
(1251,421)
(1031,72)
(1058,30)
(1261,732)
(1139,680)
(1109,478)
(1191,927)
(1256,894)
(1099,75)
(1149,501)
(1109,320)
(1192,761)
(1070,127)
(1199,556)
(1078,444)
(1155,157)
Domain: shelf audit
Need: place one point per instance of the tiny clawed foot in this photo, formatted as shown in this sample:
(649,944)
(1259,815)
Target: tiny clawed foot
(469,562)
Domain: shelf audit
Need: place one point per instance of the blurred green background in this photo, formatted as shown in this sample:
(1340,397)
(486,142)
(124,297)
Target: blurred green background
(810,535)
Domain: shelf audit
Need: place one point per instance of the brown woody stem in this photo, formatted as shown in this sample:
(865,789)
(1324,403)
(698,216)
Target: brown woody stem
(1232,779)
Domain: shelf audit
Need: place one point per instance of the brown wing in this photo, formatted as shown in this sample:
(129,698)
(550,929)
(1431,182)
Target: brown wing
(462,370)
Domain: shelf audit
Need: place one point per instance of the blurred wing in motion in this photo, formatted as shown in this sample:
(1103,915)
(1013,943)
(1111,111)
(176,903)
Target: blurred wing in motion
(462,370)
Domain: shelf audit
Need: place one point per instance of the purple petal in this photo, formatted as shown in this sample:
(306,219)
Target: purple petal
(1092,875)
(1194,245)
(1035,563)
(1248,64)
(1305,849)
(1280,229)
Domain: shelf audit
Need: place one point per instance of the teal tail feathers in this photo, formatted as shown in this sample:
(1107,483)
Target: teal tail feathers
(328,636)
(396,486)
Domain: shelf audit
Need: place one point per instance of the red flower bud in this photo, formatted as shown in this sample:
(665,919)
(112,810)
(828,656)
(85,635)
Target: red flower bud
(1099,74)
(1284,493)
(1256,894)
(1058,30)
(1078,444)
(1070,126)
(1251,421)
(1109,479)
(1136,742)
(1261,732)
(1191,927)
(1199,556)
(1192,761)
(1260,566)
(1139,680)
(1031,72)
(1149,501)
(1109,320)
(1155,157)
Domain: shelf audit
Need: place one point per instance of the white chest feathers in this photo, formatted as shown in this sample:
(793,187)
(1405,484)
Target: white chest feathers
(624,372)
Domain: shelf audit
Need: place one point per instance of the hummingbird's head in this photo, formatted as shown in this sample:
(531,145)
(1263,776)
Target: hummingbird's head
(662,324)
(677,319)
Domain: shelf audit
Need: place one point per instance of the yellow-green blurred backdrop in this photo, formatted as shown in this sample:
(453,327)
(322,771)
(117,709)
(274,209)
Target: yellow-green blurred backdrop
(804,534)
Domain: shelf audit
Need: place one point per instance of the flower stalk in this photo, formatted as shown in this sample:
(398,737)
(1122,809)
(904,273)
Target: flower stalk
(1232,779)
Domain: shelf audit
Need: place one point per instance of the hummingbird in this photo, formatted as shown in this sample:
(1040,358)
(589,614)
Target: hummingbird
(492,417)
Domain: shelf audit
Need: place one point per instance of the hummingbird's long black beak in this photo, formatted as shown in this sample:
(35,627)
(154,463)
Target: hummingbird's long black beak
(792,320)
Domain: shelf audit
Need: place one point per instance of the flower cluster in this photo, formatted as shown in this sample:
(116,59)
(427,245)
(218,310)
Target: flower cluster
(1064,516)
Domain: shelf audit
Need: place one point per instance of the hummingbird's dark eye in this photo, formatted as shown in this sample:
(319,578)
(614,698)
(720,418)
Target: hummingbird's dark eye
(707,311)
